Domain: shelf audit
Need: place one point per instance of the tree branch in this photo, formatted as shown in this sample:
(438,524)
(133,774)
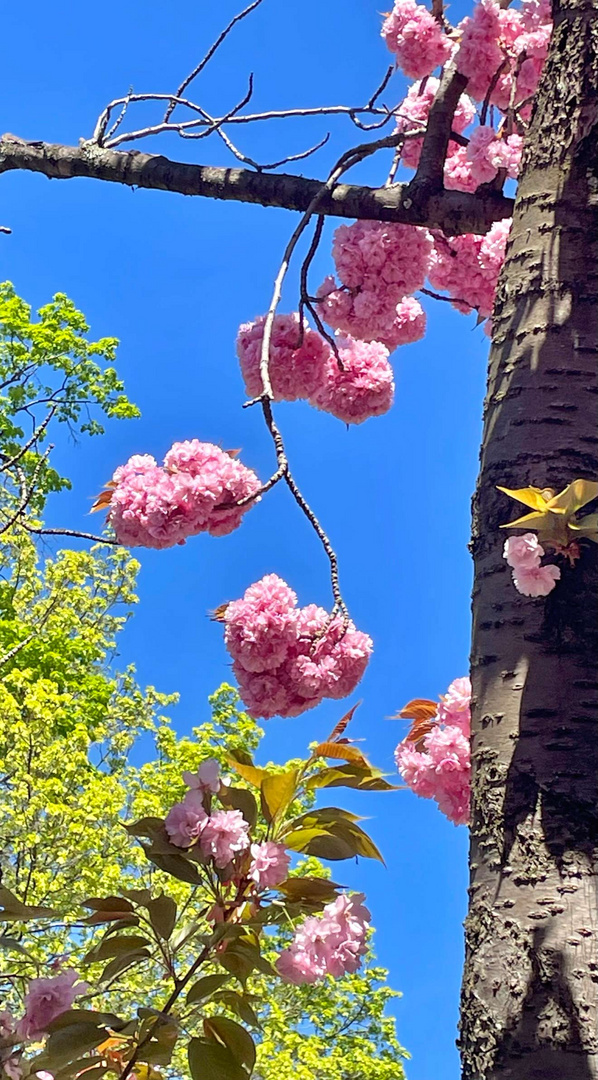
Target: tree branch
(452,211)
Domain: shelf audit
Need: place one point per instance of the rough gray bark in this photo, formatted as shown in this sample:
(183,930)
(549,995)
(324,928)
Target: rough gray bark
(530,990)
(452,211)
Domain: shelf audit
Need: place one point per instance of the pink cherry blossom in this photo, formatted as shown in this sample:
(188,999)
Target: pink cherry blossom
(413,113)
(261,628)
(330,944)
(185,820)
(416,38)
(488,153)
(523,552)
(206,779)
(287,659)
(46,999)
(362,388)
(439,767)
(538,581)
(194,492)
(269,864)
(223,835)
(455,705)
(295,360)
(467,267)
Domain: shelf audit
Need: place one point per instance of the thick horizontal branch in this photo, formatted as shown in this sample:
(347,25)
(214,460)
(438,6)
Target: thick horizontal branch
(452,211)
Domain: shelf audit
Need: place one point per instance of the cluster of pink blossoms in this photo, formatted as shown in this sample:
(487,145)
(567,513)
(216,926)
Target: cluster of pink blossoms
(286,658)
(45,1000)
(379,266)
(416,38)
(330,944)
(222,834)
(508,43)
(523,554)
(467,267)
(495,46)
(303,365)
(194,491)
(441,769)
(269,864)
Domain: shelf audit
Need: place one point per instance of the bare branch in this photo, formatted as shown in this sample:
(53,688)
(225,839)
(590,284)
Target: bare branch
(438,132)
(213,48)
(72,532)
(6,465)
(454,212)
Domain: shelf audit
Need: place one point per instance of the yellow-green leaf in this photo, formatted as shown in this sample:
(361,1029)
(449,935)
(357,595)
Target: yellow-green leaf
(277,792)
(529,496)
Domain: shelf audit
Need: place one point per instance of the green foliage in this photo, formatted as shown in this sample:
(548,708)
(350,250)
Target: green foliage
(50,373)
(69,784)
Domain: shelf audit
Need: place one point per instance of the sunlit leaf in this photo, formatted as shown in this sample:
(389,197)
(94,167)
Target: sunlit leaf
(573,497)
(314,890)
(340,728)
(529,496)
(341,750)
(418,709)
(251,773)
(277,792)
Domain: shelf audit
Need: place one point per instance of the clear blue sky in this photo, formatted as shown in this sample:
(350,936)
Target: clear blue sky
(173,277)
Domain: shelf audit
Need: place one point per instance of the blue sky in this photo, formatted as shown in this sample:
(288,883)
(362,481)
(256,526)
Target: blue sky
(172,277)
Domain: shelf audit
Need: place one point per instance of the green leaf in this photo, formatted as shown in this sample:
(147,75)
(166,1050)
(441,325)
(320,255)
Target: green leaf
(314,890)
(205,987)
(115,946)
(68,1043)
(13,910)
(351,776)
(234,1037)
(277,791)
(162,913)
(321,843)
(211,1061)
(177,866)
(8,944)
(73,1017)
(238,1004)
(122,963)
(240,799)
(147,826)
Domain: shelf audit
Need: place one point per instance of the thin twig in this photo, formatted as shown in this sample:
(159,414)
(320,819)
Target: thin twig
(36,434)
(27,491)
(208,56)
(72,532)
(491,89)
(30,637)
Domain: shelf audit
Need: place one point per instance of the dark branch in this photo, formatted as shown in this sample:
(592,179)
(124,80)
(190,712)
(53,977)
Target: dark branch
(452,211)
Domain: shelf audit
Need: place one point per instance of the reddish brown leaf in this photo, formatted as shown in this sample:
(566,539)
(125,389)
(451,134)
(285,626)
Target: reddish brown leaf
(417,709)
(343,724)
(217,615)
(233,453)
(103,500)
(342,751)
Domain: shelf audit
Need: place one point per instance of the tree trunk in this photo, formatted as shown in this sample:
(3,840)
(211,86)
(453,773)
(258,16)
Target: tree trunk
(530,989)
